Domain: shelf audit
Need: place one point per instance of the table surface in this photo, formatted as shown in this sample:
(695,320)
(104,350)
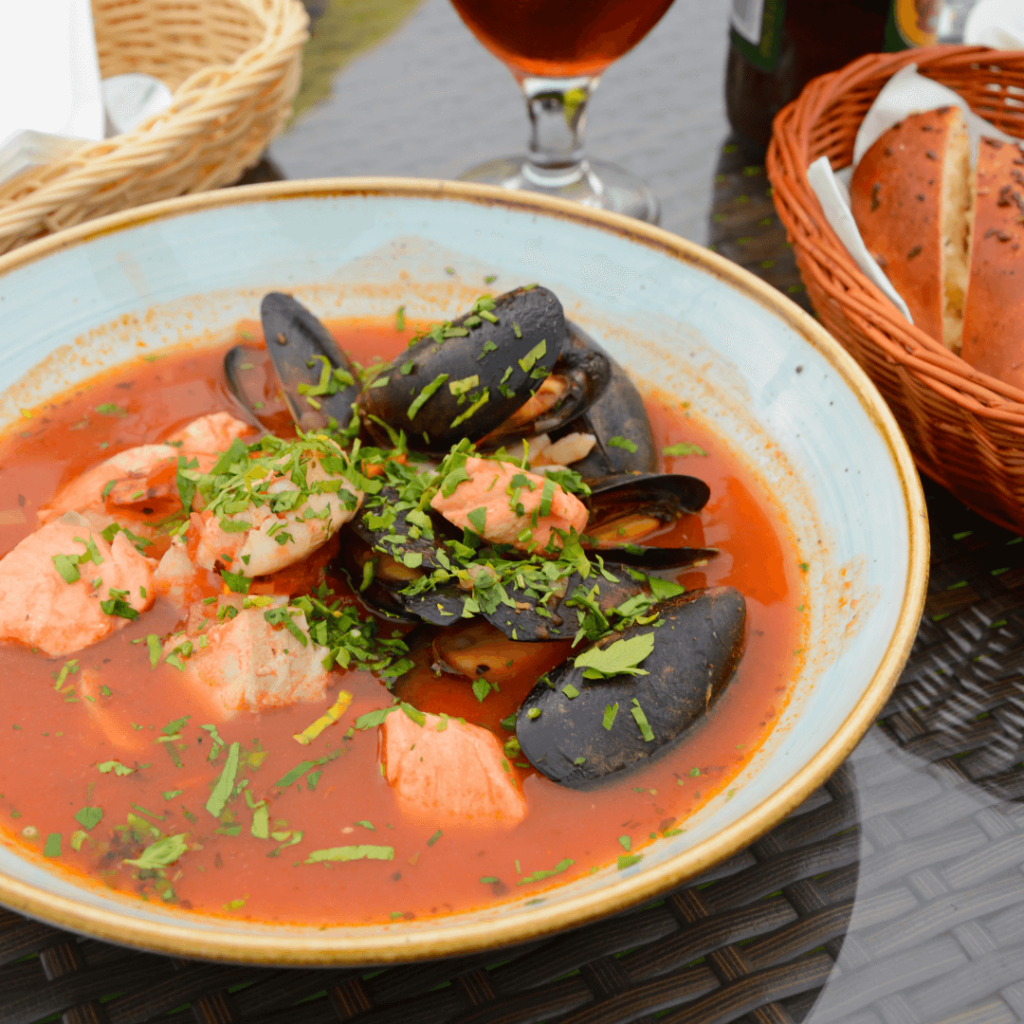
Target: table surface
(895,895)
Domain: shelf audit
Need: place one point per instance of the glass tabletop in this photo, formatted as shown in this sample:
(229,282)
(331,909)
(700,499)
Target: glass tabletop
(895,895)
(936,833)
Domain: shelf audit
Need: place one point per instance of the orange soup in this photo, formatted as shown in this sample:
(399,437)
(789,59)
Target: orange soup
(112,769)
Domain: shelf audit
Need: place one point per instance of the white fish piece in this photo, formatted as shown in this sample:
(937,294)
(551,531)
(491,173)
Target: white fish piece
(247,664)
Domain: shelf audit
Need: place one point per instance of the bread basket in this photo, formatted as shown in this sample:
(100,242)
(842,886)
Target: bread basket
(966,429)
(232,66)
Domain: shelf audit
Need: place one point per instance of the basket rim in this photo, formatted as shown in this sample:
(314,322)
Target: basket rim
(285,29)
(864,304)
(184,938)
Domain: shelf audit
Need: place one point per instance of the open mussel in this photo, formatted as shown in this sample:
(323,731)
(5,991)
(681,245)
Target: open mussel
(316,379)
(577,380)
(618,413)
(501,371)
(626,507)
(388,547)
(577,730)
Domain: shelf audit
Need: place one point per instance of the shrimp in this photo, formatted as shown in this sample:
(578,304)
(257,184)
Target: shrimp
(66,587)
(499,500)
(139,485)
(247,663)
(447,770)
(272,540)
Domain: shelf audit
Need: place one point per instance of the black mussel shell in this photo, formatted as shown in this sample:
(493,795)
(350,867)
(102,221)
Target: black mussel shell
(652,559)
(238,367)
(696,650)
(384,533)
(296,341)
(376,596)
(386,519)
(617,412)
(508,370)
(557,620)
(664,496)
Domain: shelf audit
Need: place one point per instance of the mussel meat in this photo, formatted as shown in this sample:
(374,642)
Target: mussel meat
(577,730)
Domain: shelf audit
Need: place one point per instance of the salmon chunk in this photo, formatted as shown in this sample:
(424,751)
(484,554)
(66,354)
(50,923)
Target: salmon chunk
(249,664)
(64,587)
(445,770)
(210,434)
(499,500)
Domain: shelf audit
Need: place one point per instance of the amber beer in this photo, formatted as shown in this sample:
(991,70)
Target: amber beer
(560,38)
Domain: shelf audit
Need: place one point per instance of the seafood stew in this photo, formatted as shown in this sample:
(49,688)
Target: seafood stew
(328,679)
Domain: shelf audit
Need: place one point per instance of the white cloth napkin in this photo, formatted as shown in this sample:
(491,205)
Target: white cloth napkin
(53,100)
(49,75)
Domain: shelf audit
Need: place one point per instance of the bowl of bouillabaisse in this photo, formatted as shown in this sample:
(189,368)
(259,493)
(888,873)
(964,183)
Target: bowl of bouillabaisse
(376,688)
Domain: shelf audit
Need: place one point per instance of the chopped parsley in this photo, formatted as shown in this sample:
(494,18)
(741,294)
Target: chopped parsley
(160,854)
(623,657)
(683,449)
(226,783)
(67,567)
(89,817)
(527,363)
(236,582)
(537,876)
(428,391)
(346,853)
(641,720)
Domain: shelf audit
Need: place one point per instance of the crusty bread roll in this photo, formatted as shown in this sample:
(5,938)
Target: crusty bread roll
(994,313)
(910,196)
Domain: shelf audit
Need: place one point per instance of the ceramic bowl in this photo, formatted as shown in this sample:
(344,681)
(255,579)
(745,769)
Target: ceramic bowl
(775,385)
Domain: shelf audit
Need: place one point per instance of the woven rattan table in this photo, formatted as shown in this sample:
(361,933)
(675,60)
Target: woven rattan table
(894,895)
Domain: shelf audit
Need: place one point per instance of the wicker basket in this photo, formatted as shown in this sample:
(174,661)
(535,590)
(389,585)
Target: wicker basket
(233,67)
(966,429)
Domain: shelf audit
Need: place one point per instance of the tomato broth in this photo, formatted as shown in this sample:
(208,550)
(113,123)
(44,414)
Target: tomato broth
(62,798)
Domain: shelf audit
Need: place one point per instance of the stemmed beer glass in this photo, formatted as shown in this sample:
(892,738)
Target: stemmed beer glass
(557,50)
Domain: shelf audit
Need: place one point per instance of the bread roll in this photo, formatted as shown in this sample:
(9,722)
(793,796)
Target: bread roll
(910,196)
(994,313)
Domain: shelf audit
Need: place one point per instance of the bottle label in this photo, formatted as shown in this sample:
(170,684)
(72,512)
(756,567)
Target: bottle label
(756,30)
(912,23)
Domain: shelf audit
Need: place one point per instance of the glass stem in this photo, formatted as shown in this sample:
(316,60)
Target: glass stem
(558,110)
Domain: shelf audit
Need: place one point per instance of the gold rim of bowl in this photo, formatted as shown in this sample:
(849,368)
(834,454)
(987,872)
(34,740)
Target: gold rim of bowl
(366,944)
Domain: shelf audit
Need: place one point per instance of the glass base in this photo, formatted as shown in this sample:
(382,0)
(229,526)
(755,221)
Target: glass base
(593,183)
